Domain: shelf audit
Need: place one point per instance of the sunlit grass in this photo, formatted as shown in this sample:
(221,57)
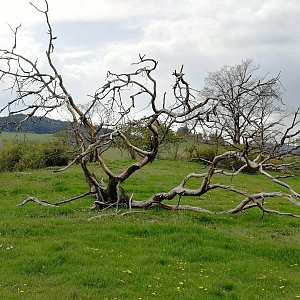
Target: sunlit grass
(56,253)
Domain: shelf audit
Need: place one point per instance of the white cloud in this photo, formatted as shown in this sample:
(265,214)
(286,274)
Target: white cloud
(83,10)
(203,35)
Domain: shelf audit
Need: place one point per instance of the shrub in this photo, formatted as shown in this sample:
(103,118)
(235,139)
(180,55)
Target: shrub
(204,151)
(19,156)
(32,156)
(10,155)
(55,154)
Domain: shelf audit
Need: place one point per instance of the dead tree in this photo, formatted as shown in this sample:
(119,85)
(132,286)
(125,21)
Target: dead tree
(248,102)
(98,124)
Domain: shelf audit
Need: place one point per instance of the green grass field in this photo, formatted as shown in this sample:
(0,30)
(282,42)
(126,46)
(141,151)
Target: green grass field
(20,136)
(57,253)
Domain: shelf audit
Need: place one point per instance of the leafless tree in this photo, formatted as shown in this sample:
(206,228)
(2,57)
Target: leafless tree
(250,105)
(98,124)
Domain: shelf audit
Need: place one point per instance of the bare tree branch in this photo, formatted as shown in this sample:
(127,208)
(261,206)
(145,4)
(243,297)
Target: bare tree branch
(242,109)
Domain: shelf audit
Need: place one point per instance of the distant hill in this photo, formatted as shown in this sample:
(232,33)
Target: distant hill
(33,125)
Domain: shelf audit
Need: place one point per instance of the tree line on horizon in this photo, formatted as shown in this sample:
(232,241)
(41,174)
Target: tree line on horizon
(34,124)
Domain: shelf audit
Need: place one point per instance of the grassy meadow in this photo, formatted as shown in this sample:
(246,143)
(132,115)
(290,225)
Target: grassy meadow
(57,253)
(20,136)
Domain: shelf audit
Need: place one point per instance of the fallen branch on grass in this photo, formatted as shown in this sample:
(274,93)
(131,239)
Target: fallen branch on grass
(56,204)
(37,201)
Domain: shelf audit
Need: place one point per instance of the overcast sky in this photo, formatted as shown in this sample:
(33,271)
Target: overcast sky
(95,36)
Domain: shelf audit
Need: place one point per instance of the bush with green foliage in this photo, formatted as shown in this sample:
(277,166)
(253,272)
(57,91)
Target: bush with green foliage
(27,155)
(205,153)
(56,154)
(10,155)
